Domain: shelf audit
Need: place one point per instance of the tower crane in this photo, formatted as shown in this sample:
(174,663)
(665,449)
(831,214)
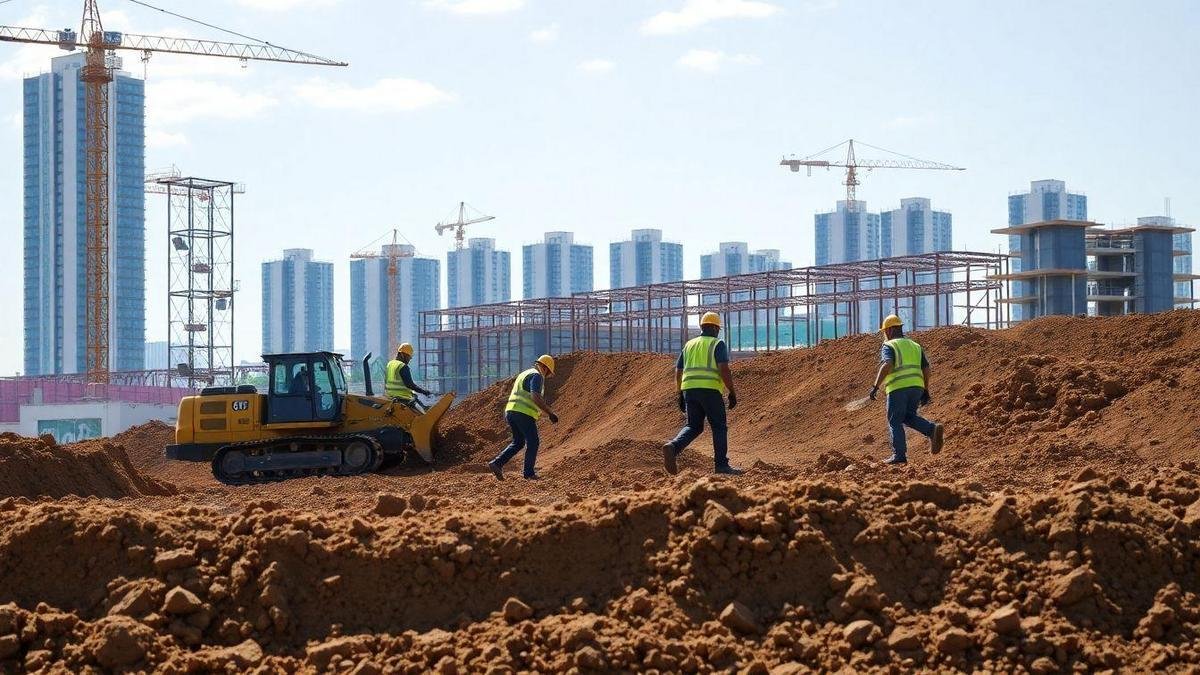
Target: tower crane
(393,254)
(852,164)
(461,224)
(97,74)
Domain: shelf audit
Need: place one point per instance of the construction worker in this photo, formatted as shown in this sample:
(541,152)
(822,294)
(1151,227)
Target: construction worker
(701,378)
(525,405)
(398,382)
(904,376)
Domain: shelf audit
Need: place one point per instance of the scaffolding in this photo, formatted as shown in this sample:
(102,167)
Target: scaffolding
(200,280)
(466,349)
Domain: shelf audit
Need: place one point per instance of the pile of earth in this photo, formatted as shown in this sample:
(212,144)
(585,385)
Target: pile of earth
(33,467)
(1098,573)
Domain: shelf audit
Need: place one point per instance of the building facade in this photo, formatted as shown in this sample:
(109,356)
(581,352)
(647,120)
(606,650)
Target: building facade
(55,222)
(912,229)
(478,274)
(297,303)
(735,257)
(1046,200)
(849,233)
(556,268)
(644,259)
(417,288)
(156,356)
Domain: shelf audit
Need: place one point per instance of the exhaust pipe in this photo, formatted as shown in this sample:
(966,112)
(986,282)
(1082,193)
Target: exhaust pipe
(366,365)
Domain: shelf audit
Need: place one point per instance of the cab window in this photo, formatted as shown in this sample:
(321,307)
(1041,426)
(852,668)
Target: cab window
(326,399)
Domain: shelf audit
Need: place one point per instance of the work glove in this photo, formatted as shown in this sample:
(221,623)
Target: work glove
(925,400)
(553,418)
(874,393)
(682,403)
(732,400)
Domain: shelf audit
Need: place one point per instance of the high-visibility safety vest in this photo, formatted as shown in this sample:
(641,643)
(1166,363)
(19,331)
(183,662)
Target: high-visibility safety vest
(393,384)
(700,364)
(522,401)
(906,370)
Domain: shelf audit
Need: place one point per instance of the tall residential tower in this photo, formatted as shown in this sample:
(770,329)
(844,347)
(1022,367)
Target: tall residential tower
(297,303)
(734,257)
(848,234)
(644,259)
(55,233)
(912,229)
(1046,200)
(418,289)
(478,274)
(557,267)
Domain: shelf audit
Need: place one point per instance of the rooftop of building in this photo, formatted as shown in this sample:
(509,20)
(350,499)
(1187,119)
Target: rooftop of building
(1058,222)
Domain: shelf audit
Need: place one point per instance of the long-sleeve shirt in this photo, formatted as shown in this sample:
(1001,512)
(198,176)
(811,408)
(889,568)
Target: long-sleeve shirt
(406,376)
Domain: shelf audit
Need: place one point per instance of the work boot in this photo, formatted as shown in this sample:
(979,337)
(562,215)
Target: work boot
(497,470)
(531,476)
(728,470)
(669,462)
(935,442)
(896,460)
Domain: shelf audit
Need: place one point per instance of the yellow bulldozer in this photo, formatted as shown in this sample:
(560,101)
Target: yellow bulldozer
(307,424)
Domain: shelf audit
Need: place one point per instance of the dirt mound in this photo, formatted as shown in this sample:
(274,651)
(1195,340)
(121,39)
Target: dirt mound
(39,467)
(1098,573)
(1076,381)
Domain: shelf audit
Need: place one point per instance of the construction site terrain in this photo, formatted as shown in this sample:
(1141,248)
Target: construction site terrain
(1058,531)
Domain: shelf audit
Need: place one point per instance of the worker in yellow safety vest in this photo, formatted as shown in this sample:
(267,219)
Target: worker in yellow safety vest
(702,377)
(904,376)
(525,406)
(398,382)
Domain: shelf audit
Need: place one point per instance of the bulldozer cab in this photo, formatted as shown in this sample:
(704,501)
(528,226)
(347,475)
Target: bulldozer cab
(305,388)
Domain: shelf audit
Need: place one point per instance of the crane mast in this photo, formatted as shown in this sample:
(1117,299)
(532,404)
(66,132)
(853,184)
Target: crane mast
(97,75)
(460,224)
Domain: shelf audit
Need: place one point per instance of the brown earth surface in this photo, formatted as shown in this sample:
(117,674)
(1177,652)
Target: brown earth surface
(1057,531)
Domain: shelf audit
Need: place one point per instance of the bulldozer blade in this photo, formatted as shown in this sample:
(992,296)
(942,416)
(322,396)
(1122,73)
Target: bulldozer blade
(424,425)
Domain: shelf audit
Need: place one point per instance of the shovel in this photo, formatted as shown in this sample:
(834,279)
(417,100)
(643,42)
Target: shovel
(857,404)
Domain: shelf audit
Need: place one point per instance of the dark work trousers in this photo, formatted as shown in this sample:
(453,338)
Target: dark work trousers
(902,407)
(705,404)
(525,435)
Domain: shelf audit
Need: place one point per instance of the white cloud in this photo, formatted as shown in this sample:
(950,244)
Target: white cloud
(597,66)
(158,139)
(545,34)
(709,61)
(469,7)
(386,95)
(695,13)
(285,5)
(178,101)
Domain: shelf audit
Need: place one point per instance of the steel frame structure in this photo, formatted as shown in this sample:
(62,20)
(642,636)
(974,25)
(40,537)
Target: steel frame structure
(200,302)
(468,348)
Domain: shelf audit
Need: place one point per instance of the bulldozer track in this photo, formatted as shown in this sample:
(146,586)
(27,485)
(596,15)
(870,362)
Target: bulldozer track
(223,463)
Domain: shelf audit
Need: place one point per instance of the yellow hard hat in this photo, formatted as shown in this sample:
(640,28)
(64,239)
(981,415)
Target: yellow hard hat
(405,349)
(889,321)
(548,361)
(711,319)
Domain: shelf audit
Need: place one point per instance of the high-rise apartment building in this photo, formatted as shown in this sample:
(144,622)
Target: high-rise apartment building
(847,234)
(912,229)
(1181,244)
(55,227)
(644,259)
(478,274)
(156,356)
(297,303)
(557,267)
(417,289)
(1046,200)
(735,257)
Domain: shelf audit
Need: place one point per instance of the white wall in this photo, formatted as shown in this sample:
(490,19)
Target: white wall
(114,416)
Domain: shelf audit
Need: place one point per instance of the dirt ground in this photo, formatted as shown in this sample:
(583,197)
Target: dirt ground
(1057,531)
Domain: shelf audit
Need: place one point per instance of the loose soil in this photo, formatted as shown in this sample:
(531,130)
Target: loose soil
(1057,530)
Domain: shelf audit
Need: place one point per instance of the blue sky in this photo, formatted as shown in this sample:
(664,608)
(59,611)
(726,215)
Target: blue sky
(603,116)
